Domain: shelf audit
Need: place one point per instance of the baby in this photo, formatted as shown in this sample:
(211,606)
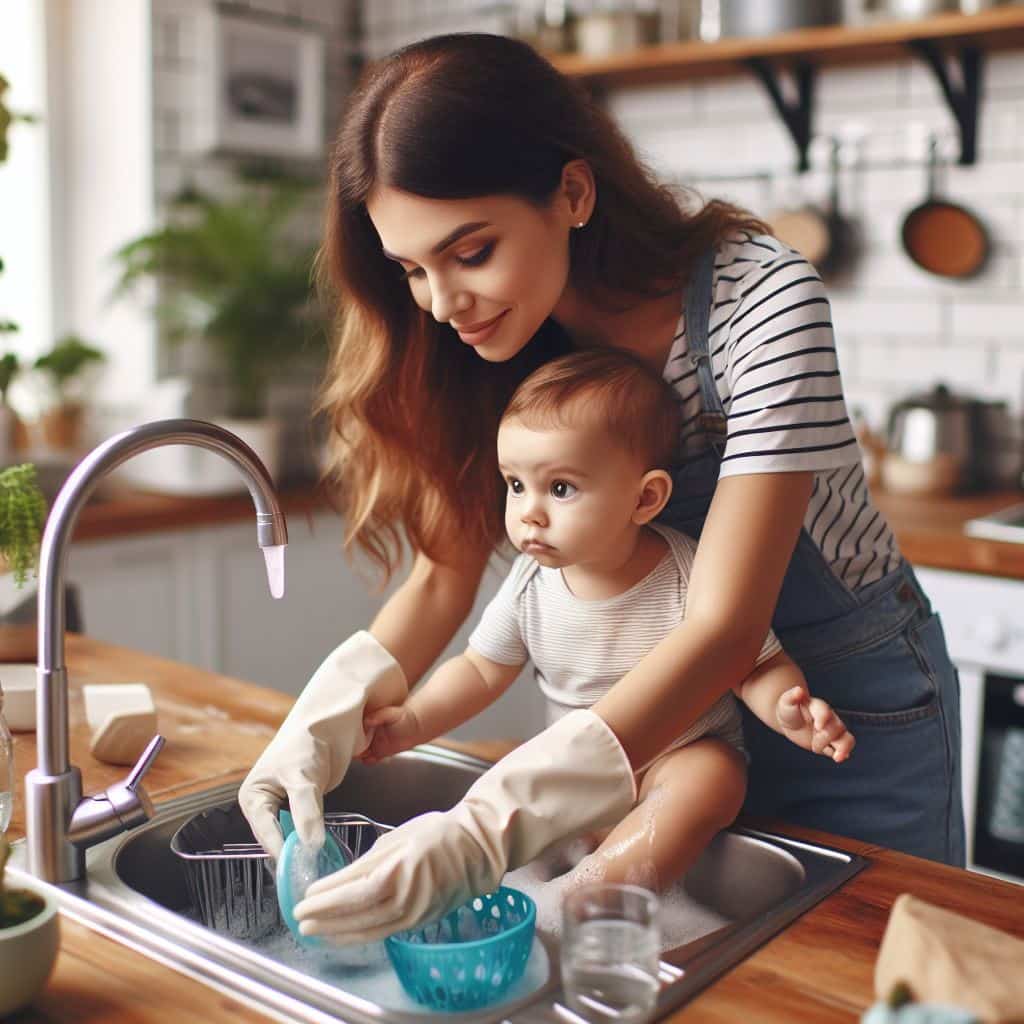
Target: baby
(584,447)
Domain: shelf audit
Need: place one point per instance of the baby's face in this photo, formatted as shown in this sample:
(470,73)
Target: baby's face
(572,491)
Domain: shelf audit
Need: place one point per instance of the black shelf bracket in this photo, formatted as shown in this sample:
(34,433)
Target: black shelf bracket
(963,97)
(796,113)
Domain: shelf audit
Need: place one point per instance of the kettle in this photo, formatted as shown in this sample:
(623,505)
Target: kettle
(931,444)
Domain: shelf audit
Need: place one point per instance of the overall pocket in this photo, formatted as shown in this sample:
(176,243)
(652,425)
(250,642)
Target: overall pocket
(889,682)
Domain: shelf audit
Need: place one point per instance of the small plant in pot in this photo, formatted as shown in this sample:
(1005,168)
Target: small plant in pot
(29,938)
(10,365)
(22,516)
(235,276)
(65,367)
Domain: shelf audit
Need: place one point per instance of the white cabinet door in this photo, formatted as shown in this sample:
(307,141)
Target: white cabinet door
(136,592)
(248,634)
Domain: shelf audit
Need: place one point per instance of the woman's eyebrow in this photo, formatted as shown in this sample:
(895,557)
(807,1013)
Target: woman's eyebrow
(450,239)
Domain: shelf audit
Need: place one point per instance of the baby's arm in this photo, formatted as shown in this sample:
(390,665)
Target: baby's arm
(776,692)
(459,689)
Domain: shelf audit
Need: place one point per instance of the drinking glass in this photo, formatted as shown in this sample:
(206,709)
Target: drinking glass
(611,940)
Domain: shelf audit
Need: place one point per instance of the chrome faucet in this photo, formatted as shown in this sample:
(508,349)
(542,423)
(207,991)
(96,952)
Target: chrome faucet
(60,823)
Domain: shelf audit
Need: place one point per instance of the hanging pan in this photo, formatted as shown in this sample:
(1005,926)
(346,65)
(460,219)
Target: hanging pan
(943,237)
(822,235)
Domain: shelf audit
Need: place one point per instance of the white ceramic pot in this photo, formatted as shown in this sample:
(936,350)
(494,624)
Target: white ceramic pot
(28,950)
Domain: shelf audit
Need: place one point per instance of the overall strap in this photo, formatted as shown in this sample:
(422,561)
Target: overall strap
(698,312)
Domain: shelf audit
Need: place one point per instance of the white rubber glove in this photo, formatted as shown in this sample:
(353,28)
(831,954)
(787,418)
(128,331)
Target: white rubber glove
(312,750)
(572,777)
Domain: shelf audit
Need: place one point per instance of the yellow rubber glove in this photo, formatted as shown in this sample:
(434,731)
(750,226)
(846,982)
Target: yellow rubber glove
(312,750)
(572,777)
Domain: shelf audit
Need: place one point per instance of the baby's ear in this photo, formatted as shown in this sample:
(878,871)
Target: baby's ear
(655,488)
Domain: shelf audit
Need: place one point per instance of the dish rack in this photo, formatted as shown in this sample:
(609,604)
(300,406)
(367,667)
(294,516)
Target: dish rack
(230,877)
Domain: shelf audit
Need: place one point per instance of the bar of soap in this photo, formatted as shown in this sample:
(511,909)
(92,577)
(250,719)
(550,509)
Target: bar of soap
(122,717)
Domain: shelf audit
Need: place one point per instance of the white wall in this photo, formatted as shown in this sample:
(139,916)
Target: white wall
(102,130)
(25,283)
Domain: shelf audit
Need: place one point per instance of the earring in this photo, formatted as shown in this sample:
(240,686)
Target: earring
(579,224)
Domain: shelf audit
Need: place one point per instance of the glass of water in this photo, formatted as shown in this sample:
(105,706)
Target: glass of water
(611,941)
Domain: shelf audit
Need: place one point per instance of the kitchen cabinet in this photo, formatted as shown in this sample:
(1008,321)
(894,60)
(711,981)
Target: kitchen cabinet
(200,596)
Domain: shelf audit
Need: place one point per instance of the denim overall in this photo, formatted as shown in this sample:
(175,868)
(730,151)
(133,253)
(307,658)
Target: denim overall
(877,655)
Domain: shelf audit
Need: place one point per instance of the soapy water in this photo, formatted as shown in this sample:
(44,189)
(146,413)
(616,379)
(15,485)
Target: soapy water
(580,861)
(366,972)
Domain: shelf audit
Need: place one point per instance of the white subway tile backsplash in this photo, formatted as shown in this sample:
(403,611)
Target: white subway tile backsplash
(898,366)
(742,98)
(1002,320)
(857,87)
(1004,72)
(870,315)
(635,109)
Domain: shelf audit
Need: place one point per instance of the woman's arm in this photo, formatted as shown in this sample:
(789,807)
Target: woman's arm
(745,547)
(420,618)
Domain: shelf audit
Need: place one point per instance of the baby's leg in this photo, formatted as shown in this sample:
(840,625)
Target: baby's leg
(686,797)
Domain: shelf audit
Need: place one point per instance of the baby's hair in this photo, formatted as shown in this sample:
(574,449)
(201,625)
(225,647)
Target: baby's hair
(610,387)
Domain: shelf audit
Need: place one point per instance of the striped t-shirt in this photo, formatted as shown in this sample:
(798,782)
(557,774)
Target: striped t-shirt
(581,649)
(774,359)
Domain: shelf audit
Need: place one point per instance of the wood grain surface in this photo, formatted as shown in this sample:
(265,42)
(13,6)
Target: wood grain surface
(817,970)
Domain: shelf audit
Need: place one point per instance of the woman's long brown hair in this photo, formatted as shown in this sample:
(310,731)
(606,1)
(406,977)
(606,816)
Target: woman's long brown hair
(413,412)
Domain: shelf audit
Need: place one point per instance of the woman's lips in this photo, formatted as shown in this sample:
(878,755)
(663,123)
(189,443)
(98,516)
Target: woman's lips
(480,332)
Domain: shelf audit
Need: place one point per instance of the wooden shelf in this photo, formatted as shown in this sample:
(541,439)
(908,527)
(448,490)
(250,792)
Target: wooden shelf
(800,54)
(1001,28)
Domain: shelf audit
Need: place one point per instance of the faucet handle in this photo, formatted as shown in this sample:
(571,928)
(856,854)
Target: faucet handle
(121,806)
(145,762)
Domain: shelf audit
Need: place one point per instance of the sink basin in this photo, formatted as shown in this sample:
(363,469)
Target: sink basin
(747,887)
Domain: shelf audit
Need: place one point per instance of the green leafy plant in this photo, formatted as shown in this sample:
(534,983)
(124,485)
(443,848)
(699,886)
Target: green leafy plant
(10,364)
(22,514)
(235,274)
(66,361)
(16,905)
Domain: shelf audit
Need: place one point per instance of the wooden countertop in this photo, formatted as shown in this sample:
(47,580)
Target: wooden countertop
(929,530)
(818,970)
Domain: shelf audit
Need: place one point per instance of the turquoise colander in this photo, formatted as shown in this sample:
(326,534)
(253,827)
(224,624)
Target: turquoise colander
(471,956)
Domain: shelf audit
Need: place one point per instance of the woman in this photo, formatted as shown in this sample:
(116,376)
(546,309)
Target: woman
(484,215)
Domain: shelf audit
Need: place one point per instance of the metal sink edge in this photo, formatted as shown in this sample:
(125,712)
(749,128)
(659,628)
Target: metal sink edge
(105,903)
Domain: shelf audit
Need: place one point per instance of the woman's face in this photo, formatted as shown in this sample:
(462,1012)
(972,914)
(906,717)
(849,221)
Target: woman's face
(493,267)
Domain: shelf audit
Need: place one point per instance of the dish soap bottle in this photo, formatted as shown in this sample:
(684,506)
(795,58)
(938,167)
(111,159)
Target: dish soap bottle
(6,770)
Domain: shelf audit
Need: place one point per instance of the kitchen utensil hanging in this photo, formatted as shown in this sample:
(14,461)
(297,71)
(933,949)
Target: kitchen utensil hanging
(941,236)
(822,235)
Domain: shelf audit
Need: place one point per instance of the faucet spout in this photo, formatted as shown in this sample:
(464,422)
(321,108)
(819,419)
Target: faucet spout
(53,790)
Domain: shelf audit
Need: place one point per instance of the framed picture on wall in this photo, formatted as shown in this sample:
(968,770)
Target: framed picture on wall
(262,87)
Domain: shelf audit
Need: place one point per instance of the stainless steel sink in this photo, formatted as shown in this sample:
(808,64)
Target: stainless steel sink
(135,892)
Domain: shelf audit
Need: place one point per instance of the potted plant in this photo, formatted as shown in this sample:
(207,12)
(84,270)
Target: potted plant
(10,364)
(65,366)
(22,515)
(29,938)
(235,275)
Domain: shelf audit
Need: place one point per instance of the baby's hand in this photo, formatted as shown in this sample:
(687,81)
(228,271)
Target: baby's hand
(391,729)
(812,724)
